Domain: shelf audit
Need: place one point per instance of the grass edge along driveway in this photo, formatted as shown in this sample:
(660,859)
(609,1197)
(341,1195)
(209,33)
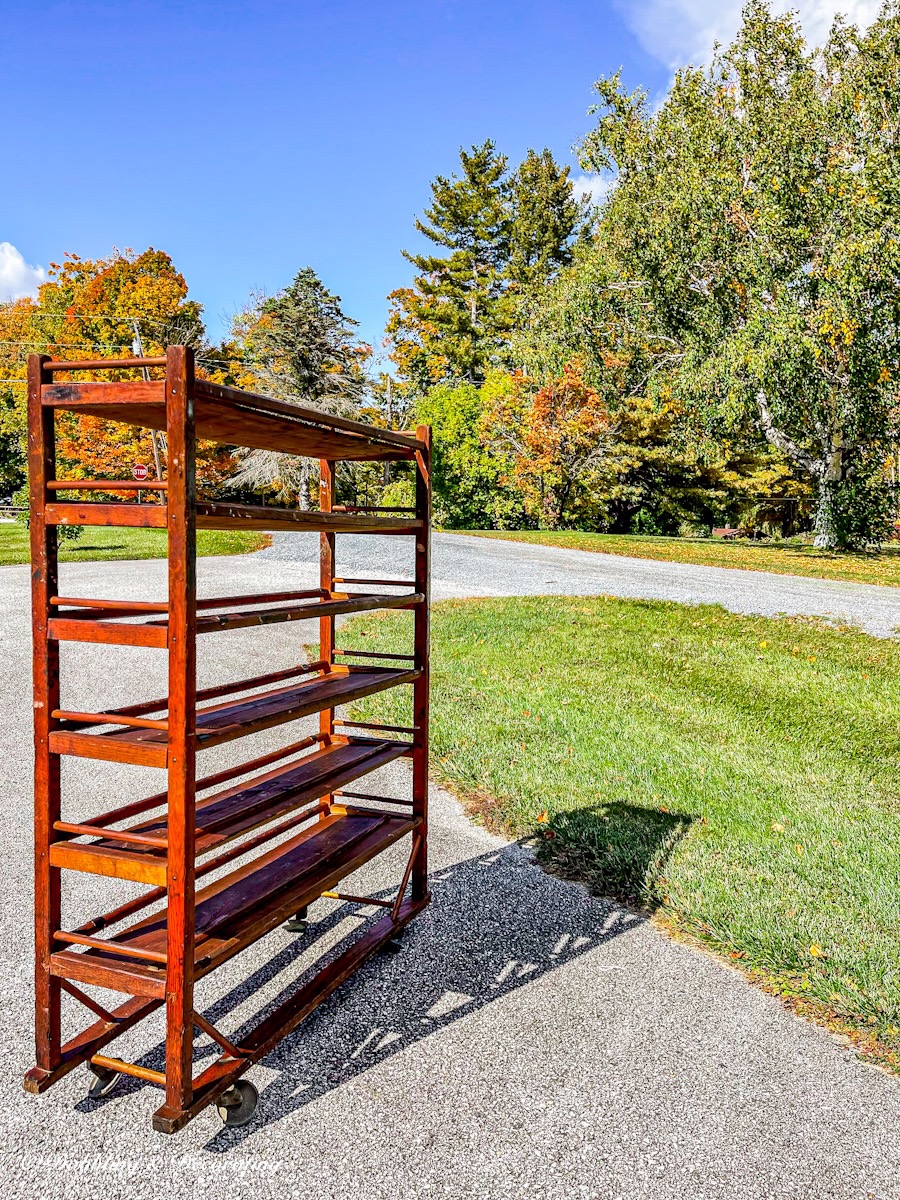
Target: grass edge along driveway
(781,558)
(736,775)
(100,543)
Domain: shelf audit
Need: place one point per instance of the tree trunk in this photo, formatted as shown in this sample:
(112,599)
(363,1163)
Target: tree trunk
(303,489)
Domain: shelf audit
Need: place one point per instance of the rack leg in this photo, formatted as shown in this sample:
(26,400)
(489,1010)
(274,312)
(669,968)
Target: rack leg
(44,585)
(422,655)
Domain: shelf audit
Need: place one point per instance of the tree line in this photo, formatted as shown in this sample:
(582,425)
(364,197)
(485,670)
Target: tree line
(715,343)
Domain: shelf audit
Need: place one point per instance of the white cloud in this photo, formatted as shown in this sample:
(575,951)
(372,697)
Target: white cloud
(17,278)
(676,32)
(594,187)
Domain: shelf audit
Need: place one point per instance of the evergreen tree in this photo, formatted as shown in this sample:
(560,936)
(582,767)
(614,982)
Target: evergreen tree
(546,219)
(299,346)
(450,322)
(500,235)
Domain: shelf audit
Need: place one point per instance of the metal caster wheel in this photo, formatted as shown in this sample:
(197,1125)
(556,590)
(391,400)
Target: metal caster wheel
(103,1081)
(238,1104)
(298,923)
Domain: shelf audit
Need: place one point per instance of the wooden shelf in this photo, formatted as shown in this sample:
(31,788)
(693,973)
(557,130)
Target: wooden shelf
(234,417)
(242,906)
(117,623)
(288,814)
(229,814)
(234,718)
(221,515)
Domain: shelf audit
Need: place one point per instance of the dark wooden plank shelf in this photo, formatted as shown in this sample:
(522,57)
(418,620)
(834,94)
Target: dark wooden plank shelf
(234,417)
(123,626)
(242,906)
(230,813)
(237,717)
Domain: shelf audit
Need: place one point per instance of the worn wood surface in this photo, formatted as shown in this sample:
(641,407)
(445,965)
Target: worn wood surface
(304,800)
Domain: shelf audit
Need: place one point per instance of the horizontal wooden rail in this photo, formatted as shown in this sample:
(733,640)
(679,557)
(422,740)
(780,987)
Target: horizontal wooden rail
(80,939)
(136,606)
(376,654)
(106,485)
(354,508)
(369,796)
(103,364)
(115,835)
(113,718)
(373,725)
(411,583)
(351,899)
(129,1068)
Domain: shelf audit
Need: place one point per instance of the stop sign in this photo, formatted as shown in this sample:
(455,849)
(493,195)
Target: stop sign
(140,472)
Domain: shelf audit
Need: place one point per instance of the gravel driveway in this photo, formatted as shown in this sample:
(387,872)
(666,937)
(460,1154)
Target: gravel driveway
(530,1041)
(474,566)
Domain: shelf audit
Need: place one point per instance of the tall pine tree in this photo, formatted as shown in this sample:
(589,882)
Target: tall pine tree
(499,235)
(546,218)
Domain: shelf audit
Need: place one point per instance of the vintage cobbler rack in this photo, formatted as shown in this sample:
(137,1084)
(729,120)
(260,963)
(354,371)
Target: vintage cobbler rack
(194,826)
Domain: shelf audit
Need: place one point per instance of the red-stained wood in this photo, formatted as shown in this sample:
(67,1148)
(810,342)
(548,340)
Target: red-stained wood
(45,663)
(104,364)
(422,641)
(181,736)
(99,512)
(326,583)
(158,959)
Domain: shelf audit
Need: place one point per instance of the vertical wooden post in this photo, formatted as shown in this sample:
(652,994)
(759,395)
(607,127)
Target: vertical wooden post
(44,584)
(422,640)
(182,723)
(326,582)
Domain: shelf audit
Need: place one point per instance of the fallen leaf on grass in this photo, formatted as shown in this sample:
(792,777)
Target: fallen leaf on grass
(777,827)
(816,950)
(543,817)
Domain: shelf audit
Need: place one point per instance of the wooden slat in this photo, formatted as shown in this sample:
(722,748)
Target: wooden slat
(96,512)
(239,908)
(237,718)
(234,417)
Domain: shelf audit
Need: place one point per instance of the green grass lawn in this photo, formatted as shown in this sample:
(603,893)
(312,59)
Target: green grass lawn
(784,558)
(106,543)
(738,775)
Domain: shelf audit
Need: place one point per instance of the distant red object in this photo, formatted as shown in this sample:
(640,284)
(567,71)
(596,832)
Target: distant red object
(140,472)
(727,535)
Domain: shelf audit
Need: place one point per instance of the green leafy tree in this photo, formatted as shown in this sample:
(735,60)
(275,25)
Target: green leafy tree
(470,491)
(756,217)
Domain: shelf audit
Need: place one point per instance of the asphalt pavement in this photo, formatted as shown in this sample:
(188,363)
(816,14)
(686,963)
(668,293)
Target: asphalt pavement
(529,1041)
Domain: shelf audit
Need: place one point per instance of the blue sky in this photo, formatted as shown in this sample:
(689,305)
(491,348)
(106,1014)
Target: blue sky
(250,139)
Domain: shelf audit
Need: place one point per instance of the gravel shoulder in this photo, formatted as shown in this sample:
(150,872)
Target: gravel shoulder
(473,566)
(529,1041)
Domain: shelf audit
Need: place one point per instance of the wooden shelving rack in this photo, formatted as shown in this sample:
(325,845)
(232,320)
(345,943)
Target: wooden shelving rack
(196,826)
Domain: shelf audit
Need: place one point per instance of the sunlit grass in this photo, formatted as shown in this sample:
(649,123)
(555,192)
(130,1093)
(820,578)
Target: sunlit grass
(106,543)
(784,558)
(738,774)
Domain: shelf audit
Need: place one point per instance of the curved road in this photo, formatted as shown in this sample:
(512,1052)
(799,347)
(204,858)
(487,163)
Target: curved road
(474,566)
(530,1041)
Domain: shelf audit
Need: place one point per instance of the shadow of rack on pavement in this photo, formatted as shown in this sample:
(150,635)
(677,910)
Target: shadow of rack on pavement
(496,923)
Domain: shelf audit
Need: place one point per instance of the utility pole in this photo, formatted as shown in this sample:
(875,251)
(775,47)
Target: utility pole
(137,347)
